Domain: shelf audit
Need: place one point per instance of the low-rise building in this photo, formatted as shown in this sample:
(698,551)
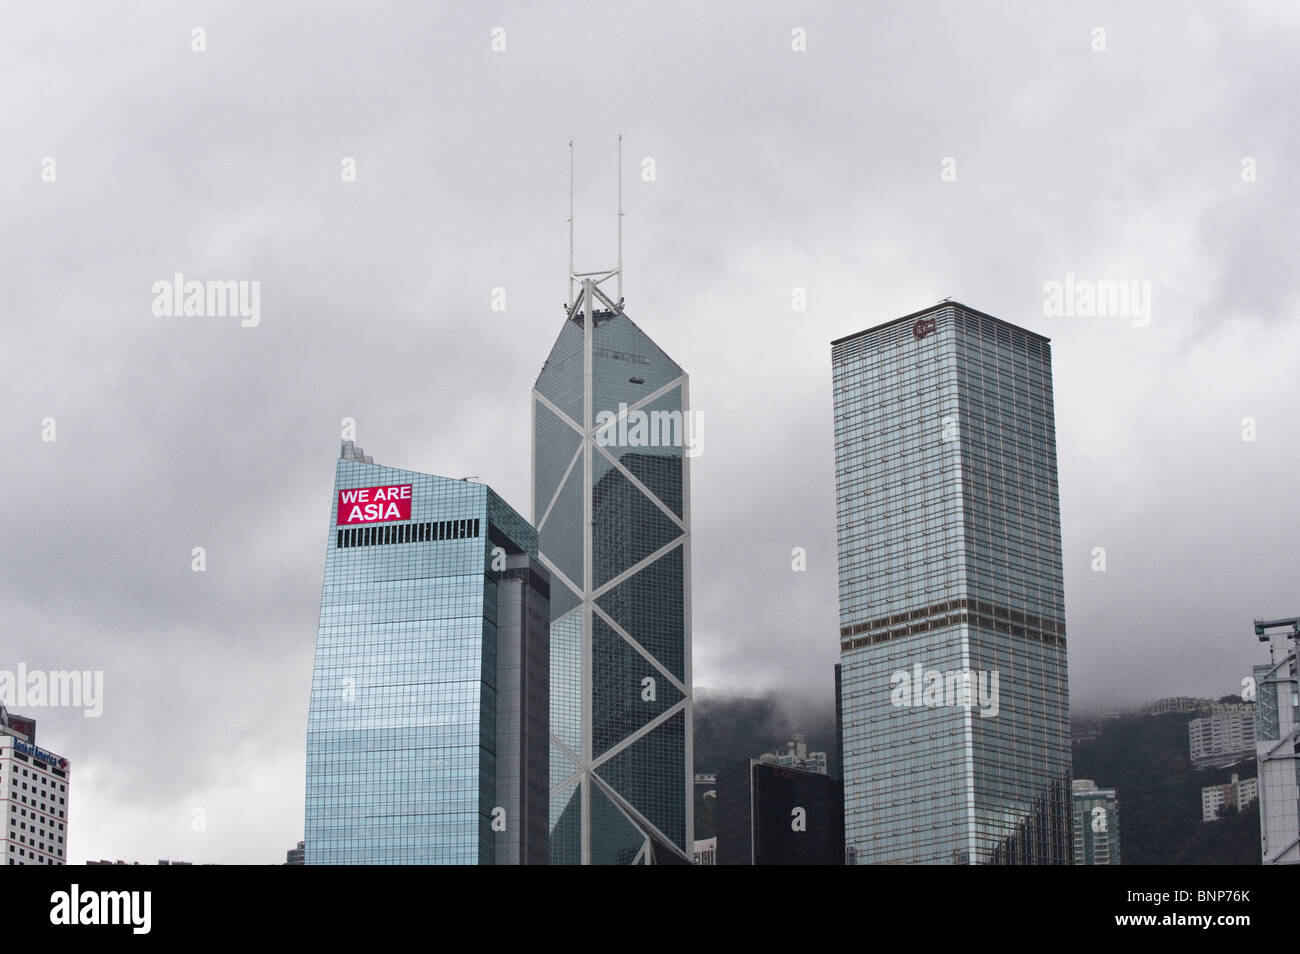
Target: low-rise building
(1236,793)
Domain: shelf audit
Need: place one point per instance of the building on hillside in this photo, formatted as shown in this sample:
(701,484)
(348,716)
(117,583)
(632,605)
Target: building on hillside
(796,755)
(1096,824)
(1222,738)
(1178,704)
(1236,794)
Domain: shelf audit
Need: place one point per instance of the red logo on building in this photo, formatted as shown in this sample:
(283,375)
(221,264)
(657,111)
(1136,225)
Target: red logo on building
(374,504)
(923,327)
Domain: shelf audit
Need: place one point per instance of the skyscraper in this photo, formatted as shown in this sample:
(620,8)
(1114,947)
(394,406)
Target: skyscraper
(34,795)
(954,697)
(612,437)
(34,792)
(429,718)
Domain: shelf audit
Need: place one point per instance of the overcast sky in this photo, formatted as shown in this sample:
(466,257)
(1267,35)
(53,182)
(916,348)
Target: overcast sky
(774,169)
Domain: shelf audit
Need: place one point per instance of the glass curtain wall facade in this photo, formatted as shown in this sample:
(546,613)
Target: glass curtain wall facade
(954,698)
(429,715)
(611,504)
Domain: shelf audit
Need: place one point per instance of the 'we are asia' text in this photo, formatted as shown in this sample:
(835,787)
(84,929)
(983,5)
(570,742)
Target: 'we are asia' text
(374,504)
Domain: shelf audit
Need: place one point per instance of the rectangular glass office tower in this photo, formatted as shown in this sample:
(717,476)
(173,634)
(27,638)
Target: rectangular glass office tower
(611,504)
(429,718)
(955,707)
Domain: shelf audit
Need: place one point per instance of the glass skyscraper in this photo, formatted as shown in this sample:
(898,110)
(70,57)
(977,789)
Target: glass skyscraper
(955,706)
(429,722)
(611,502)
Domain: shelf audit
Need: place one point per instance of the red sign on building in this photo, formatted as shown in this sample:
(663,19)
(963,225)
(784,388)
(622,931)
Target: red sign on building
(374,504)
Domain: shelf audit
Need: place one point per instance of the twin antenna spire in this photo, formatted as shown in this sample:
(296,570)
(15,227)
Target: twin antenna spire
(598,277)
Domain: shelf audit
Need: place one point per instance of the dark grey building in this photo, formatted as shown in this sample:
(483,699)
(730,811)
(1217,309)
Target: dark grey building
(523,701)
(771,814)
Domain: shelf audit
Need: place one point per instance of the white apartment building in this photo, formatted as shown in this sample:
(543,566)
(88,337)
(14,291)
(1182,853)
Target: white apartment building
(1236,793)
(1224,737)
(706,851)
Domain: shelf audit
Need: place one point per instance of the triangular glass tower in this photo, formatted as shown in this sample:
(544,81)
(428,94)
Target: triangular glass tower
(612,439)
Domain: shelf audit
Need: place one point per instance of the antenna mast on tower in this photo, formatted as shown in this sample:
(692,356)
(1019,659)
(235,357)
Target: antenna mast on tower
(620,218)
(587,284)
(570,225)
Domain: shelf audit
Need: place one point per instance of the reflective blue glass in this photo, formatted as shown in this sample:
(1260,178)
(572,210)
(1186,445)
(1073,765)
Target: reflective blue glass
(404,744)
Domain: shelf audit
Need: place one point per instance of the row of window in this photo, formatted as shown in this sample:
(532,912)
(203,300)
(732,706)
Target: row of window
(22,839)
(26,774)
(989,609)
(408,533)
(39,764)
(970,619)
(15,810)
(23,854)
(50,796)
(32,803)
